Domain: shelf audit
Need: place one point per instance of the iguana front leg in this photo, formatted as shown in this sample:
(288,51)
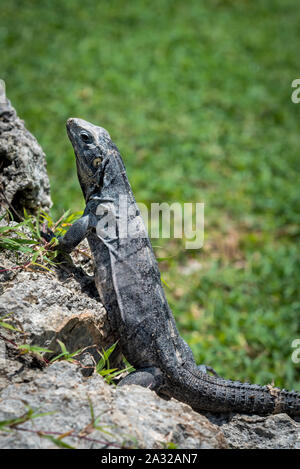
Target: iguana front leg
(75,234)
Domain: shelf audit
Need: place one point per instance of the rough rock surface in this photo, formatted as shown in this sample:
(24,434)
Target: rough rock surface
(24,181)
(51,306)
(133,416)
(252,431)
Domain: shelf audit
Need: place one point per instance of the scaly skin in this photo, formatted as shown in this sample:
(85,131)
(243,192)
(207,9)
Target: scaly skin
(128,280)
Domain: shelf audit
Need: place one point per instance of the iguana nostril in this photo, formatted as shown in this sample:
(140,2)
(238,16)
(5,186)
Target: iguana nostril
(70,121)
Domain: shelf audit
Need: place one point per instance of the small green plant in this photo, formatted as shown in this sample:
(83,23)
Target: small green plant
(26,348)
(7,325)
(169,445)
(57,441)
(65,355)
(103,366)
(61,226)
(94,424)
(26,238)
(30,414)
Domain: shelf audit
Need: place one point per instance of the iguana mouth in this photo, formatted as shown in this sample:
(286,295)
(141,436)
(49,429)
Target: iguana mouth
(69,123)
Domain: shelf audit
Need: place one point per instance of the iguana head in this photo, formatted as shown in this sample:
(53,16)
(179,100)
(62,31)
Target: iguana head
(92,145)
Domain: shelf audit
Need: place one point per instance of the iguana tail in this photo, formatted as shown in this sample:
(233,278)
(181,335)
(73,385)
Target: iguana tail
(205,392)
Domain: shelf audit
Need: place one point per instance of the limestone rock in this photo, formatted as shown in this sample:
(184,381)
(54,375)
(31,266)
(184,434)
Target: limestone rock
(134,417)
(24,181)
(51,306)
(252,431)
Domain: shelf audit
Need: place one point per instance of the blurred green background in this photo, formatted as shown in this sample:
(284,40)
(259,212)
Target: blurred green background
(197,96)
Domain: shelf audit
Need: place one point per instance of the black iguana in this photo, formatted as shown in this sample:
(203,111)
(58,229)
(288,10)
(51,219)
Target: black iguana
(128,280)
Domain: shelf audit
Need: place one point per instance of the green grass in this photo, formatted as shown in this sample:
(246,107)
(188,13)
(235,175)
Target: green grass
(197,97)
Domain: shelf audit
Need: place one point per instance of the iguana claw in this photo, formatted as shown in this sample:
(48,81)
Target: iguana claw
(47,235)
(208,369)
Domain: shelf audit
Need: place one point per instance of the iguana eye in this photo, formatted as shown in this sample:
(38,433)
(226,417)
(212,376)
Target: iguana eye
(85,137)
(97,162)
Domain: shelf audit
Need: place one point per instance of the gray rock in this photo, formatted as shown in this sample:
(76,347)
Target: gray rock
(51,306)
(15,368)
(252,431)
(24,181)
(132,416)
